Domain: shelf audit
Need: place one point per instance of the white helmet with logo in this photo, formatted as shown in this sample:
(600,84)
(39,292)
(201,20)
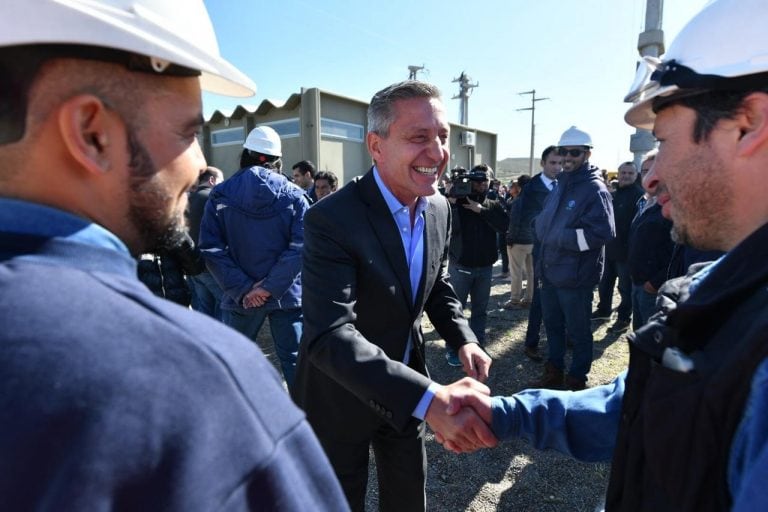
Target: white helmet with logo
(264,140)
(169,32)
(575,137)
(724,47)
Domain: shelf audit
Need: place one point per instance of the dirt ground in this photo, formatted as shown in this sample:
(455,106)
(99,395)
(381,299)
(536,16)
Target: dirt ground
(512,476)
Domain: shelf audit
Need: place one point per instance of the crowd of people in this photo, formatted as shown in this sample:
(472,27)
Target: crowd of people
(116,398)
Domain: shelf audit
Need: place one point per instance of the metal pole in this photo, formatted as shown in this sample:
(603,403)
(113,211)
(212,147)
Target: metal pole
(532,108)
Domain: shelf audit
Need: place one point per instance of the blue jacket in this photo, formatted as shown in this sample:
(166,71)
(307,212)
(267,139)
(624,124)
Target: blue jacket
(115,399)
(253,230)
(523,211)
(573,227)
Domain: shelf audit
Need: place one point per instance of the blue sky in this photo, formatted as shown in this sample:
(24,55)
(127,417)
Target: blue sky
(580,54)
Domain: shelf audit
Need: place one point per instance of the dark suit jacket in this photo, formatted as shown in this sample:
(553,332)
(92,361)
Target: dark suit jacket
(358,313)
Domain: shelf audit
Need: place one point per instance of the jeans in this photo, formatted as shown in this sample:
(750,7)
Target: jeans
(615,270)
(568,309)
(520,261)
(475,282)
(206,295)
(286,326)
(643,306)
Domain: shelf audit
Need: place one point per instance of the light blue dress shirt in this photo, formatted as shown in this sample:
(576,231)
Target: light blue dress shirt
(413,246)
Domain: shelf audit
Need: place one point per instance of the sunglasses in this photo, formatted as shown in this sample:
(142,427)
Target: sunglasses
(573,152)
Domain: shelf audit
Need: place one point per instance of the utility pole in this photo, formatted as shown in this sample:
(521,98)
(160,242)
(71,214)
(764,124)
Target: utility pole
(465,90)
(532,108)
(650,43)
(413,70)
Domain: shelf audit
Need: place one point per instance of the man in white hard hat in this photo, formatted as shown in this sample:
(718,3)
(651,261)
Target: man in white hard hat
(573,227)
(251,237)
(692,412)
(113,398)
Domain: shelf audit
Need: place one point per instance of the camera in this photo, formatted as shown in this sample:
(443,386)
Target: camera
(461,181)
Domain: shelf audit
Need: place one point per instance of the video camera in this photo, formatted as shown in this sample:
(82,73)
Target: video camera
(461,181)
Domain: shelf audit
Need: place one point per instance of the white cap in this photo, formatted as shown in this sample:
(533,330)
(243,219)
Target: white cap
(575,137)
(168,31)
(265,140)
(721,48)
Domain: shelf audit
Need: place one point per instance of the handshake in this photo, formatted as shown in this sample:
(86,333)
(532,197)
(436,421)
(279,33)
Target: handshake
(460,416)
(460,413)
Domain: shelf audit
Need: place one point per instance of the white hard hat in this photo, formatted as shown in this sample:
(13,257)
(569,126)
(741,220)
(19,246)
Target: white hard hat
(723,47)
(265,140)
(168,31)
(575,137)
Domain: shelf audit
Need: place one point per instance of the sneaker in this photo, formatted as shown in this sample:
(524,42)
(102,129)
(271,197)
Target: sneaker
(533,353)
(452,358)
(599,315)
(619,326)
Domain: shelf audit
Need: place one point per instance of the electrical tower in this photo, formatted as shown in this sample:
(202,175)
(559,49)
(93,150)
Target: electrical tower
(465,90)
(413,70)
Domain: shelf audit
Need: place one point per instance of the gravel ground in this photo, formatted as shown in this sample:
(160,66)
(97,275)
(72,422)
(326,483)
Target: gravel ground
(512,476)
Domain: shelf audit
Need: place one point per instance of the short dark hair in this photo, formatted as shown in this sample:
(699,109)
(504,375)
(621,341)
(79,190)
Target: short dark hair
(546,152)
(249,158)
(523,180)
(380,112)
(305,166)
(328,176)
(208,173)
(710,107)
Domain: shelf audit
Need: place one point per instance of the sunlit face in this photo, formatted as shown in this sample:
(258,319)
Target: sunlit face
(570,162)
(649,185)
(322,188)
(411,158)
(552,165)
(165,162)
(302,180)
(692,181)
(627,175)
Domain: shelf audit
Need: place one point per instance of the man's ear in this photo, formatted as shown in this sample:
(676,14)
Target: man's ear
(753,124)
(373,141)
(87,129)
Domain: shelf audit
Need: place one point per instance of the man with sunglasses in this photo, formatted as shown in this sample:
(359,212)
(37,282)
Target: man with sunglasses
(573,227)
(692,412)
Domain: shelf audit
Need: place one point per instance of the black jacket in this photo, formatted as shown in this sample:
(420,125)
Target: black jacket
(677,427)
(624,209)
(650,247)
(473,235)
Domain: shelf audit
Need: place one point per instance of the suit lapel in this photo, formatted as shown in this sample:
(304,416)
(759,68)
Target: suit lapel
(384,227)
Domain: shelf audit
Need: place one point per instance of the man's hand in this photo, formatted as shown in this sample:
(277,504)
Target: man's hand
(473,205)
(475,361)
(257,297)
(480,403)
(459,430)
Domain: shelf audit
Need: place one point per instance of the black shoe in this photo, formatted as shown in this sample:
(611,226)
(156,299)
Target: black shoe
(619,326)
(599,315)
(575,384)
(533,353)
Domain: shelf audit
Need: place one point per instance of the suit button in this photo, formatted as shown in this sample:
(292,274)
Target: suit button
(389,415)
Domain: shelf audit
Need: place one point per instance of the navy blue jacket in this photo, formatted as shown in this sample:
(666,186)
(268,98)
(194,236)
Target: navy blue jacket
(524,210)
(115,399)
(253,230)
(573,227)
(650,247)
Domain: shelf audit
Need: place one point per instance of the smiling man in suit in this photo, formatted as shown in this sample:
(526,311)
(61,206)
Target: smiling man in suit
(375,257)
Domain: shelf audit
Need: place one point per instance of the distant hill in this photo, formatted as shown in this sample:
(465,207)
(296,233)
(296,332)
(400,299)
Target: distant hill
(513,167)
